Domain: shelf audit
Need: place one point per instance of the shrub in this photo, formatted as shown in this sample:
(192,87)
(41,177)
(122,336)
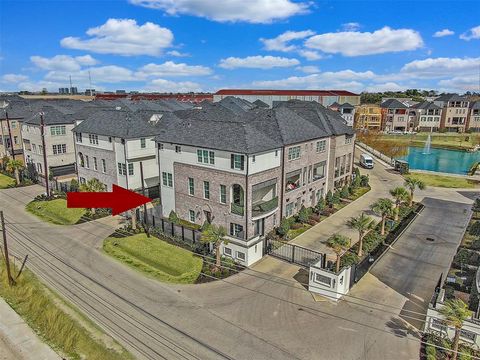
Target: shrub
(348,259)
(173,217)
(476,205)
(475,244)
(371,241)
(364,180)
(351,190)
(345,193)
(475,229)
(320,205)
(296,226)
(336,197)
(74,185)
(311,222)
(303,214)
(431,351)
(315,217)
(329,198)
(282,230)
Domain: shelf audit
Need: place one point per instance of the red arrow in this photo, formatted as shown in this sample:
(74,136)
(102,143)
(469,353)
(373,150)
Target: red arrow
(119,200)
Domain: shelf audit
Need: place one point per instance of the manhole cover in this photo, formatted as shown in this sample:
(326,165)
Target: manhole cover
(430,239)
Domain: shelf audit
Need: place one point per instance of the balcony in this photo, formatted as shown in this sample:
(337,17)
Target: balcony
(293,180)
(265,207)
(237,209)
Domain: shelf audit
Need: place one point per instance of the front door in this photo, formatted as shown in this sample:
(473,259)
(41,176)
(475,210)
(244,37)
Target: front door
(260,227)
(208,216)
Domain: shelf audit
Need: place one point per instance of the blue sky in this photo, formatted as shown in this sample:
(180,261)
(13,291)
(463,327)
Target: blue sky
(193,45)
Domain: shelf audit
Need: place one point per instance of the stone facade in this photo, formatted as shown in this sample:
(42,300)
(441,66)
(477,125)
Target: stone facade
(109,177)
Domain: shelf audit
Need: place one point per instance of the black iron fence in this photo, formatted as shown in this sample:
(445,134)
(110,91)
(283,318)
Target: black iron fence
(293,253)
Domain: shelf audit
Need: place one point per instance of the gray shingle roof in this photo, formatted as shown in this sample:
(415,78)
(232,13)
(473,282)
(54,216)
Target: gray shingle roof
(51,116)
(427,105)
(392,104)
(450,97)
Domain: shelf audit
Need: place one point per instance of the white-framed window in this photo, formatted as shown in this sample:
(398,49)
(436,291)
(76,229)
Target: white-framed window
(321,145)
(178,149)
(348,139)
(240,255)
(87,162)
(237,162)
(57,130)
(104,166)
(253,158)
(130,169)
(34,148)
(236,229)
(294,153)
(191,215)
(95,164)
(93,139)
(191,186)
(206,157)
(122,169)
(223,194)
(59,149)
(40,149)
(227,251)
(206,190)
(167,179)
(143,143)
(276,153)
(15,140)
(39,168)
(289,209)
(160,146)
(322,279)
(78,136)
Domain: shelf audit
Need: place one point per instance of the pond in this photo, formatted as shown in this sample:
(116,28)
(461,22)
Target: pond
(441,160)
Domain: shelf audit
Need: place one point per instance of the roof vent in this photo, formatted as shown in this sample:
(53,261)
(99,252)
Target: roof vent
(197,108)
(118,108)
(155,118)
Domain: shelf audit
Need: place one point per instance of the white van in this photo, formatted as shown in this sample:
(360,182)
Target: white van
(366,161)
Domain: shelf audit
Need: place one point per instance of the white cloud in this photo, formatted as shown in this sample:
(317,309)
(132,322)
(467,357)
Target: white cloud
(309,69)
(101,74)
(444,32)
(162,85)
(460,84)
(177,53)
(282,41)
(123,37)
(473,33)
(14,78)
(253,11)
(441,67)
(257,62)
(310,54)
(169,68)
(352,43)
(351,26)
(63,62)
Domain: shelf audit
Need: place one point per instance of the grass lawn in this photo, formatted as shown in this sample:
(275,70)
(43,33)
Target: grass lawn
(57,323)
(444,181)
(55,211)
(448,141)
(156,258)
(6,181)
(293,233)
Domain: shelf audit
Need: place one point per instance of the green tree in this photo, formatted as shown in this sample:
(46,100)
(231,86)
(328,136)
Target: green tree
(14,166)
(74,186)
(173,217)
(338,243)
(345,193)
(282,230)
(92,185)
(336,197)
(383,207)
(320,205)
(363,224)
(412,184)
(400,194)
(303,214)
(455,312)
(215,235)
(329,198)
(364,180)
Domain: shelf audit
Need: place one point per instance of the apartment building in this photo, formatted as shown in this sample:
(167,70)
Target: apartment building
(59,145)
(346,110)
(247,170)
(473,119)
(454,112)
(428,116)
(394,115)
(324,97)
(368,116)
(12,113)
(116,146)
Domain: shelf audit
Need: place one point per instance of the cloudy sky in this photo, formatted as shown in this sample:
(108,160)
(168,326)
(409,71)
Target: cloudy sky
(205,45)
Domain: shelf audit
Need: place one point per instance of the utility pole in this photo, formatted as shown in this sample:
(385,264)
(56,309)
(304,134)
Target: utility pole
(11,282)
(42,131)
(143,193)
(9,133)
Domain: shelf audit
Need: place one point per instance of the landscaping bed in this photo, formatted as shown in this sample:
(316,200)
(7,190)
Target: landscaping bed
(444,180)
(6,181)
(57,323)
(435,347)
(155,257)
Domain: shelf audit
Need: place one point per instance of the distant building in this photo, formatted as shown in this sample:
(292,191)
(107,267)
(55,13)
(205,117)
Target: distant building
(63,90)
(474,116)
(120,92)
(73,90)
(394,115)
(324,97)
(454,112)
(347,110)
(368,116)
(427,116)
(90,92)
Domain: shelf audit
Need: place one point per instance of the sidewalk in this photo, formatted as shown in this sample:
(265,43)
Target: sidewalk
(21,342)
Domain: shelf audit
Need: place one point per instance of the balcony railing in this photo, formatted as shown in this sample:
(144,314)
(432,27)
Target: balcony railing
(264,207)
(237,209)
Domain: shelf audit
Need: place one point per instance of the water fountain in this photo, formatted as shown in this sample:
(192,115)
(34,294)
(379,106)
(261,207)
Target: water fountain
(428,144)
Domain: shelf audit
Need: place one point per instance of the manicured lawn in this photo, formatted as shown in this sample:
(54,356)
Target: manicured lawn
(6,181)
(156,258)
(448,141)
(293,233)
(57,323)
(444,181)
(55,211)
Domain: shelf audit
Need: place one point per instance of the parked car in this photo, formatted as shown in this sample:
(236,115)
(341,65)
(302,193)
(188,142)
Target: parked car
(366,161)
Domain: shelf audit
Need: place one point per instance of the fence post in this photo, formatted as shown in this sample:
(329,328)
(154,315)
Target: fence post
(183,233)
(173,229)
(163,226)
(193,236)
(293,254)
(153,220)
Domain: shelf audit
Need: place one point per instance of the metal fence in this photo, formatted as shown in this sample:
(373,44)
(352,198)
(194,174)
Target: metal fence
(375,152)
(293,253)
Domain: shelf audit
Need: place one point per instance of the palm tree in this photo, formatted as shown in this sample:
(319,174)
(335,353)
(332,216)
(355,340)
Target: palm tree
(93,185)
(14,166)
(363,224)
(338,243)
(400,194)
(455,312)
(412,184)
(215,235)
(383,207)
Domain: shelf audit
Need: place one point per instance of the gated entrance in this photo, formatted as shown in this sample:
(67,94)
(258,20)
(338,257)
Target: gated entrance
(293,253)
